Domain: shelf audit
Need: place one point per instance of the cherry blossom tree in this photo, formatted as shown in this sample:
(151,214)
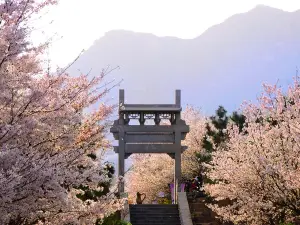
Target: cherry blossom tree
(258,169)
(194,141)
(151,173)
(47,137)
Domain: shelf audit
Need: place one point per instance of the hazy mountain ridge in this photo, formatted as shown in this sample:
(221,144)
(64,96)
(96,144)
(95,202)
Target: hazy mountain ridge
(225,65)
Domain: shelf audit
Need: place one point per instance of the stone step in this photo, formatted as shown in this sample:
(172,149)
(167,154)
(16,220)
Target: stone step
(143,208)
(156,223)
(154,219)
(153,206)
(154,214)
(147,211)
(151,209)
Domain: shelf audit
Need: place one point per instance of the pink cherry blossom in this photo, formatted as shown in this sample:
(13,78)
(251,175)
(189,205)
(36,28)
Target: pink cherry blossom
(259,171)
(46,131)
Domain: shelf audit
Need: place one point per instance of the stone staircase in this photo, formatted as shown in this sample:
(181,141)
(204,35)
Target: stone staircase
(154,214)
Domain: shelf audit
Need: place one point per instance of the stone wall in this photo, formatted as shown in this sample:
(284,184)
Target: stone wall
(201,214)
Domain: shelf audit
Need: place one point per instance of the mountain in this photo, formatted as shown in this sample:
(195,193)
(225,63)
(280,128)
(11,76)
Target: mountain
(225,65)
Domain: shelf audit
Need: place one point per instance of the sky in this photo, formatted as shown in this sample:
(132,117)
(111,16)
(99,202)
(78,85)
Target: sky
(76,24)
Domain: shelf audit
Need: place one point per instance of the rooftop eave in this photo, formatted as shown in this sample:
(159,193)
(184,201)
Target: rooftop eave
(149,108)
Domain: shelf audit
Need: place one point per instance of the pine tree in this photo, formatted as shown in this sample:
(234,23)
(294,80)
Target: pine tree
(216,134)
(239,120)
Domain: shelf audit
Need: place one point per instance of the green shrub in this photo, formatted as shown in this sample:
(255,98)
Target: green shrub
(164,201)
(286,223)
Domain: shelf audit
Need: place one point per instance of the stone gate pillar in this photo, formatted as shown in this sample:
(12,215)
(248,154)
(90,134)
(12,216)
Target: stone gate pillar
(121,155)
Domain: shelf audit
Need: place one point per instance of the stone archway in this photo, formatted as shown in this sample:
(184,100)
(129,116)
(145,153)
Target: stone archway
(150,138)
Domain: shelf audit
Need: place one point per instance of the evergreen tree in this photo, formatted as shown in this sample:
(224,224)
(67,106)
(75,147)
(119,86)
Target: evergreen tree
(216,134)
(239,120)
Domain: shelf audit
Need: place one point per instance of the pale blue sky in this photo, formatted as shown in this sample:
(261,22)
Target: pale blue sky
(81,22)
